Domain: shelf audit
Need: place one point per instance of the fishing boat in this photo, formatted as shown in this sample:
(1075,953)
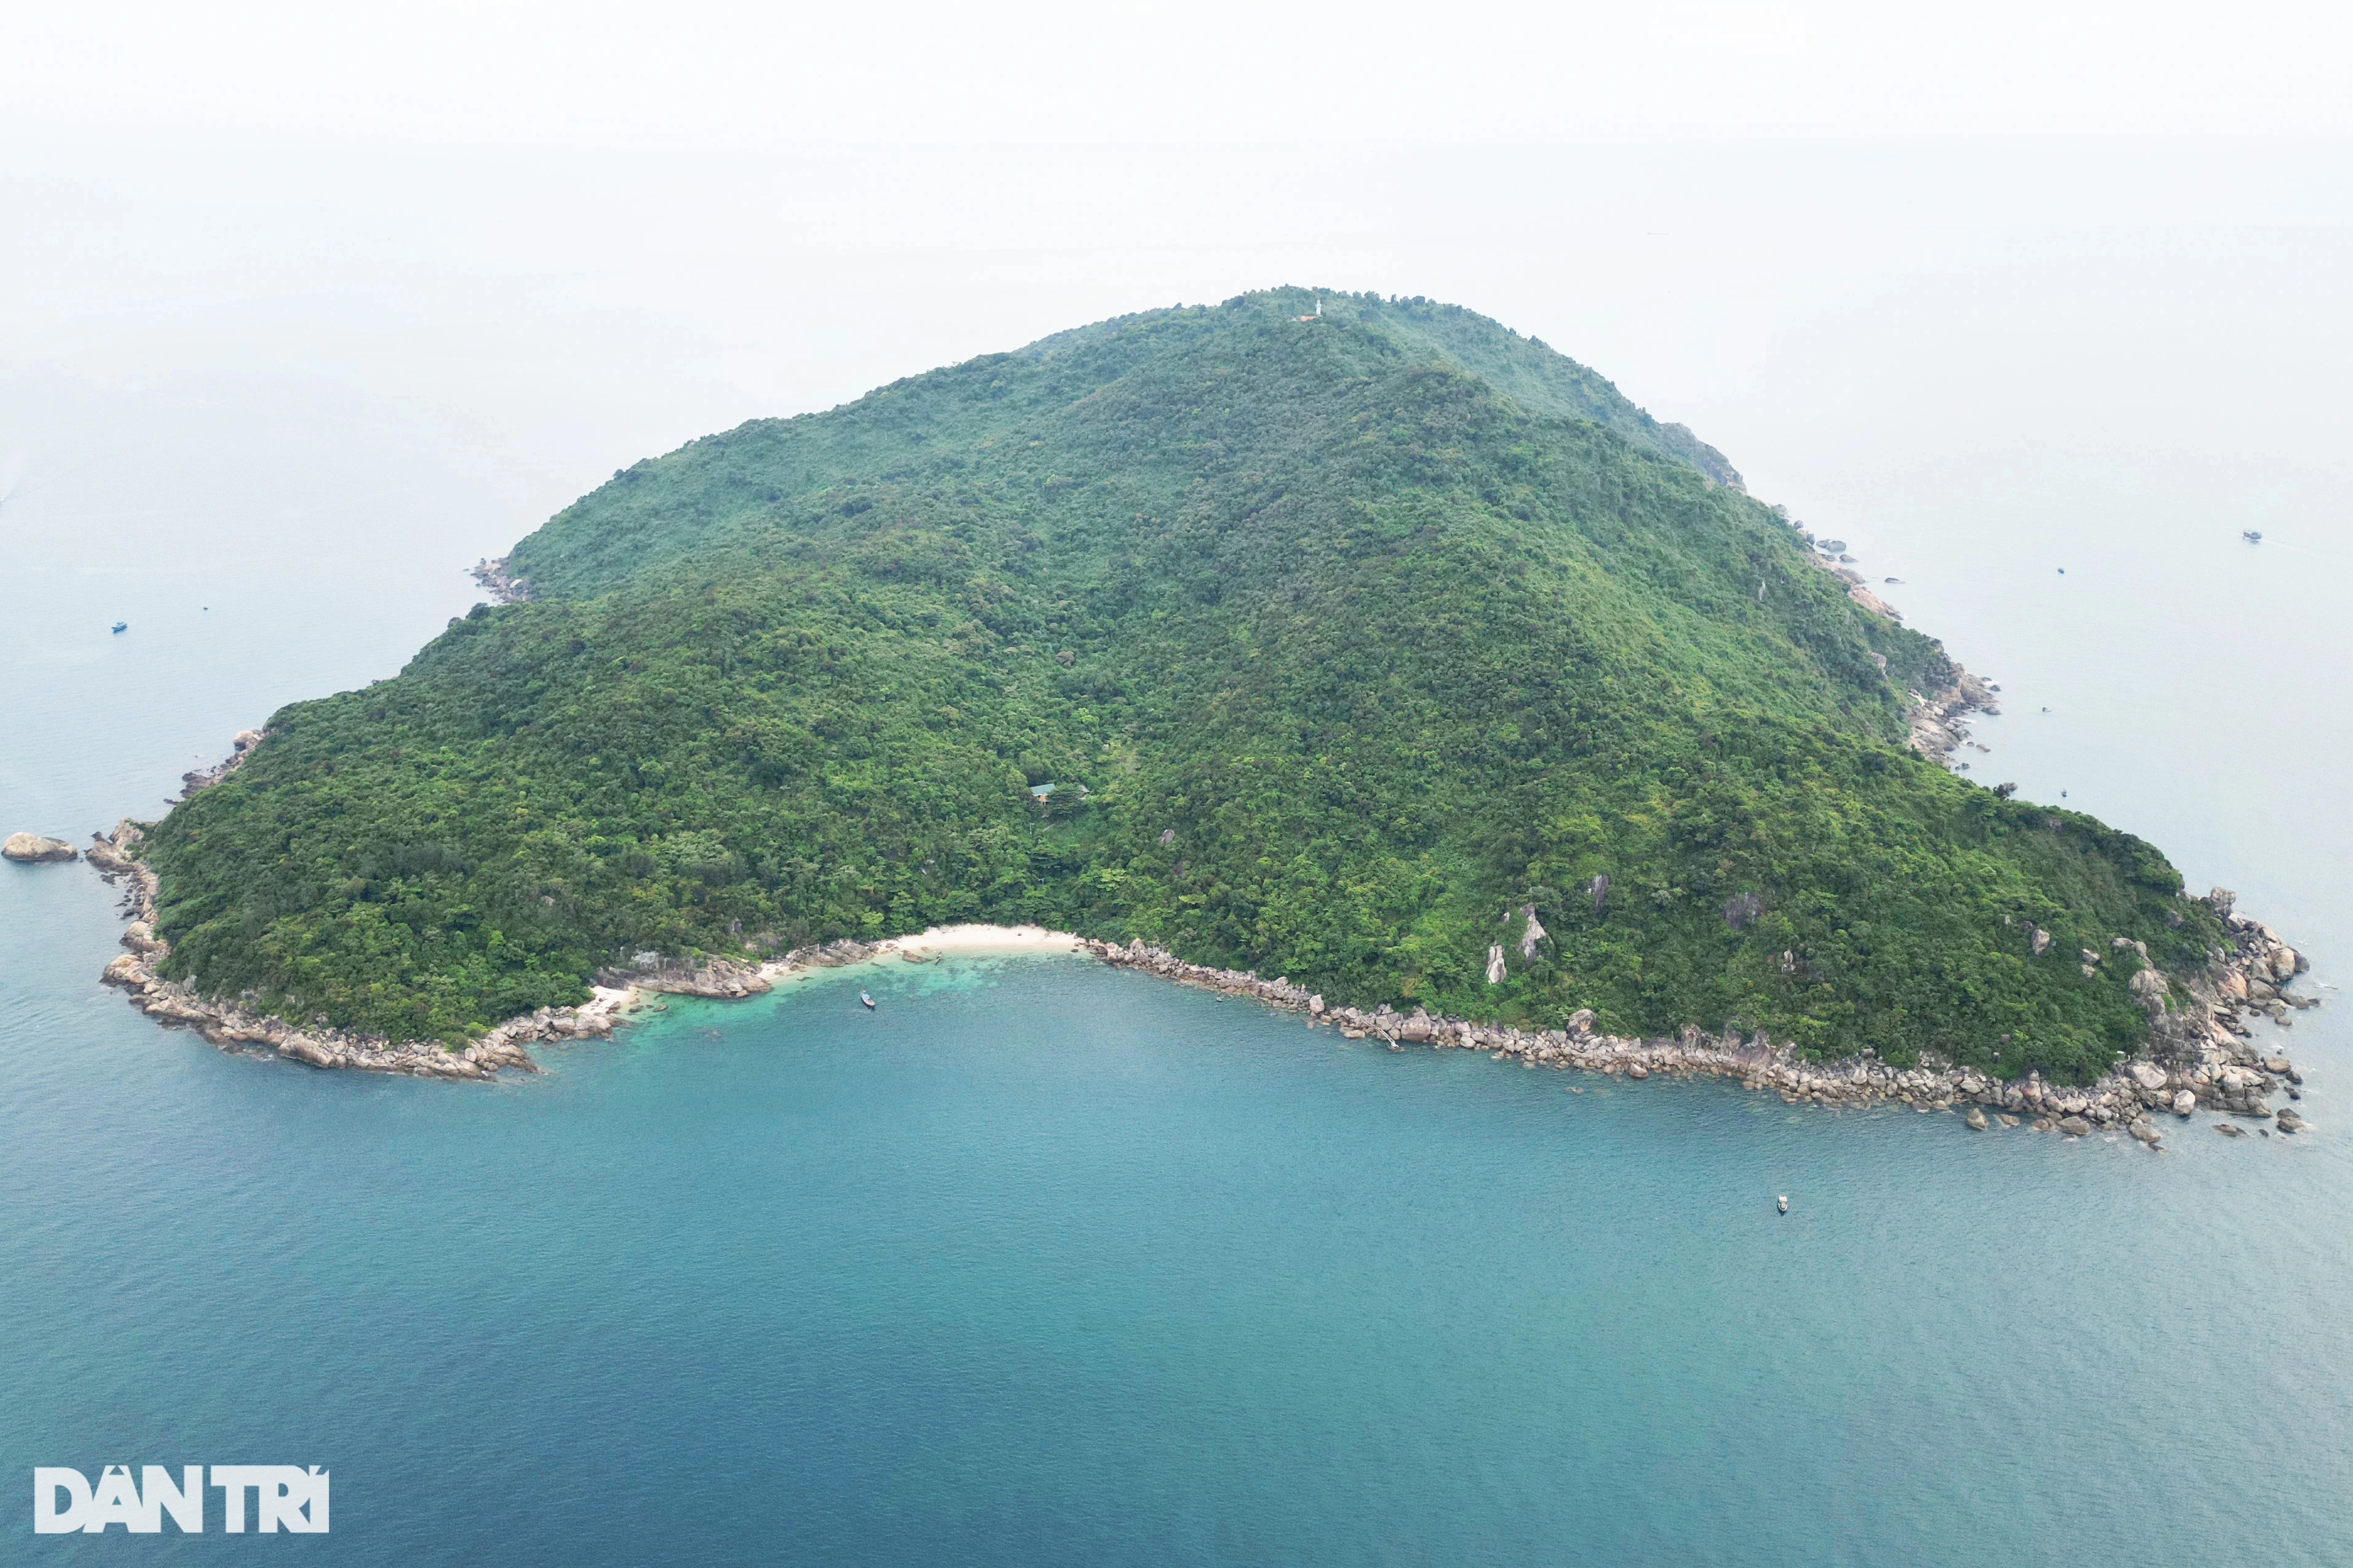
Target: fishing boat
(1781,1202)
(2252,535)
(865,998)
(122,626)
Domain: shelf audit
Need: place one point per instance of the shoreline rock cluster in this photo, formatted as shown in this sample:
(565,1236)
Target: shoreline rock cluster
(1935,729)
(505,588)
(204,778)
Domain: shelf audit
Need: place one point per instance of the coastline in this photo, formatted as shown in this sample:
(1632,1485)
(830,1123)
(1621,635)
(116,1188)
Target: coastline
(1935,728)
(2199,1053)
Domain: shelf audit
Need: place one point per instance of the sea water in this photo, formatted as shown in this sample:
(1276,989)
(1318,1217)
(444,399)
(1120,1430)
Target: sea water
(1040,1262)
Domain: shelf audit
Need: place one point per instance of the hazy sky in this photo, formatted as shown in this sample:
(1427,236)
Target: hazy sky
(779,77)
(465,260)
(305,308)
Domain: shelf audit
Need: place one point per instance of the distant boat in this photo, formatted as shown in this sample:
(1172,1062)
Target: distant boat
(865,998)
(2252,535)
(122,626)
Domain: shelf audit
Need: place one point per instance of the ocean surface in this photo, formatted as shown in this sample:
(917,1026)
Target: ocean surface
(1041,1263)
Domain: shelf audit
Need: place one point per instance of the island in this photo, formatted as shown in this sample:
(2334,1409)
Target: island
(1355,641)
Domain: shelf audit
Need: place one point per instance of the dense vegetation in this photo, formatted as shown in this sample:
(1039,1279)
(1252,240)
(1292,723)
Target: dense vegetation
(1340,644)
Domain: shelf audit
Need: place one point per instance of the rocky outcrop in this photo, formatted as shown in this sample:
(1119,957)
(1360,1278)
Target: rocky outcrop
(1935,728)
(718,977)
(1872,602)
(504,587)
(239,749)
(32,849)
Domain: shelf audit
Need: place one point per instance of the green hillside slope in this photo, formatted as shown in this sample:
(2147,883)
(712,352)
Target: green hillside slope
(1340,644)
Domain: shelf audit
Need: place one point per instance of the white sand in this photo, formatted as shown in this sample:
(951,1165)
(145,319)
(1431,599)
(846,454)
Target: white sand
(937,943)
(981,938)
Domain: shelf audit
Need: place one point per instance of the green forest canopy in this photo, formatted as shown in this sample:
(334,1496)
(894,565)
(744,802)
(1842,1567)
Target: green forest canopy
(1341,643)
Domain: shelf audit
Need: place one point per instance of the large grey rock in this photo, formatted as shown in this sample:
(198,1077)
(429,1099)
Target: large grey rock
(2075,1127)
(33,849)
(2184,1103)
(2149,1075)
(2289,1121)
(303,1048)
(1975,1120)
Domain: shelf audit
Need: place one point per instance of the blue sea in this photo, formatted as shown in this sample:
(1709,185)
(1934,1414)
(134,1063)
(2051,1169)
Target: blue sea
(1041,1263)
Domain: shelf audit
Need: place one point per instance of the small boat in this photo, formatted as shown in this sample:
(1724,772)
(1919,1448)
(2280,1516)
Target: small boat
(1782,1203)
(2252,535)
(121,626)
(865,998)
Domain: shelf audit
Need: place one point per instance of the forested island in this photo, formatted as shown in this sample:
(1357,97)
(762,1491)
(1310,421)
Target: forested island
(1382,650)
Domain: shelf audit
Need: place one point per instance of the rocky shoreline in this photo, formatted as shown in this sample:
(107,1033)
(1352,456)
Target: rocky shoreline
(1935,729)
(2200,1056)
(2200,1053)
(503,588)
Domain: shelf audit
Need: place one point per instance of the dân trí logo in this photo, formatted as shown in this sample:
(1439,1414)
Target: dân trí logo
(285,1497)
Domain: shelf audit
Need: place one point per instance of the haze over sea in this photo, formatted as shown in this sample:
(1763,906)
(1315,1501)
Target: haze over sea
(1045,1263)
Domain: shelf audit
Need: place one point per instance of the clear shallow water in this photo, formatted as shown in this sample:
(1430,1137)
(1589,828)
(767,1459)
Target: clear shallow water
(1046,1264)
